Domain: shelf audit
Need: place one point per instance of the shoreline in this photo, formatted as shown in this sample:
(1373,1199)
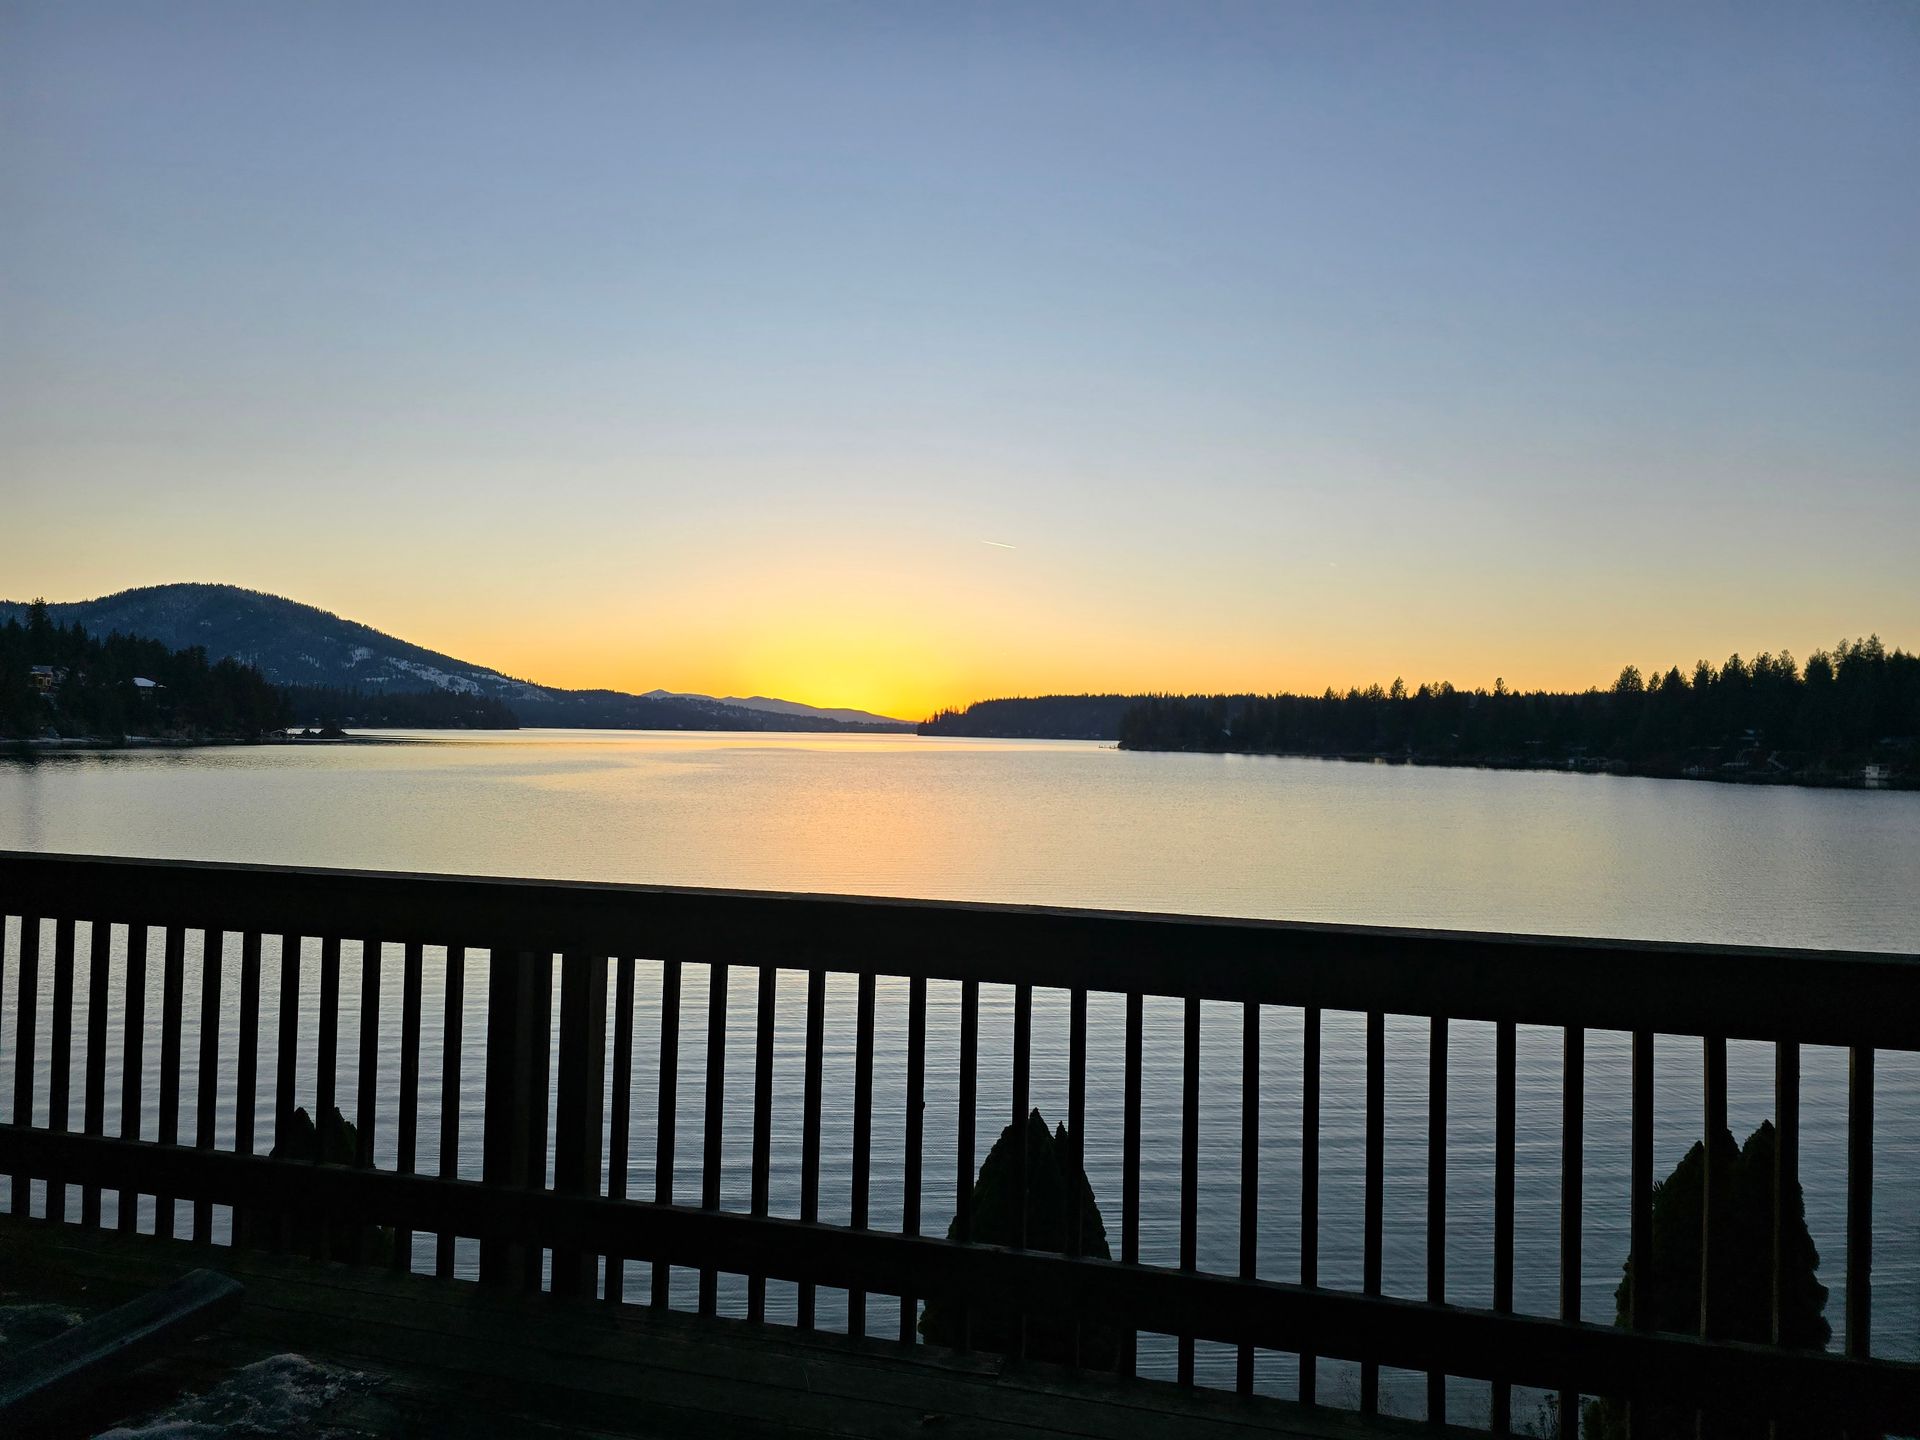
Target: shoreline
(1625,769)
(28,748)
(83,744)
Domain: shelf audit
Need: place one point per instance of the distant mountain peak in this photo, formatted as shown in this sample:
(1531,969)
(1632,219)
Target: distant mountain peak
(771,706)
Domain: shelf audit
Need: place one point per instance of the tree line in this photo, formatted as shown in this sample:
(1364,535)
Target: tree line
(1854,704)
(88,687)
(1047,717)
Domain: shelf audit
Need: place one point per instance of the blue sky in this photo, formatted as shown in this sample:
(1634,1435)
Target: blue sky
(1289,344)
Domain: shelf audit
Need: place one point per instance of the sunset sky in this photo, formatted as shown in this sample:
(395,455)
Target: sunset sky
(902,355)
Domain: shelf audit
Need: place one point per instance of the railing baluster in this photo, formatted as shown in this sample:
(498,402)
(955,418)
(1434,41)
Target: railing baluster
(1859,1313)
(60,1054)
(172,988)
(1437,1198)
(1640,1168)
(666,1114)
(1130,1166)
(715,1101)
(514,1133)
(862,1160)
(407,1122)
(1640,1195)
(1376,1169)
(1786,1173)
(1309,1182)
(915,1132)
(1249,1170)
(207,1077)
(538,1003)
(1713,1177)
(1076,1133)
(762,1123)
(810,1124)
(367,1110)
(247,1057)
(327,1060)
(1504,1051)
(286,1049)
(580,1103)
(26,1010)
(94,1102)
(1573,1076)
(619,1123)
(1189,1165)
(1021,1103)
(452,1025)
(133,1061)
(967,1108)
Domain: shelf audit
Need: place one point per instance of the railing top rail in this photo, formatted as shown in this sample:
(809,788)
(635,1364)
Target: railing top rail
(1754,992)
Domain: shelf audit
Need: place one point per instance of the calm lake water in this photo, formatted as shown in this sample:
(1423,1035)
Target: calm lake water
(1067,823)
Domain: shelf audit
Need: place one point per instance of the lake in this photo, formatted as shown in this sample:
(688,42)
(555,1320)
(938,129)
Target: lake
(1069,823)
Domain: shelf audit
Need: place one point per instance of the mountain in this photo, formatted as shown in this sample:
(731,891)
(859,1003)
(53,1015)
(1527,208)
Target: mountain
(289,643)
(301,645)
(780,707)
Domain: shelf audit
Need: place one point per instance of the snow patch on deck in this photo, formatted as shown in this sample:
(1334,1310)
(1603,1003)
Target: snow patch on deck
(284,1395)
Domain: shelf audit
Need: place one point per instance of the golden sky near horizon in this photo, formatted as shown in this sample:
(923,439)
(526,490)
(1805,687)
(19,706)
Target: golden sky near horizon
(900,611)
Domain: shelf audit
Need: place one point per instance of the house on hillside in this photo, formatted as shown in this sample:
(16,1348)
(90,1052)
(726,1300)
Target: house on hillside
(46,679)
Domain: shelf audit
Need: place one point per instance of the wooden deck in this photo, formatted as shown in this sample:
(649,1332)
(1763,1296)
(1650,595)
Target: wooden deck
(453,1359)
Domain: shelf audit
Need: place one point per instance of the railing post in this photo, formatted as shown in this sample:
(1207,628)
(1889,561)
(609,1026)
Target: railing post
(519,987)
(1505,1081)
(1859,1303)
(25,1037)
(580,1118)
(1573,1080)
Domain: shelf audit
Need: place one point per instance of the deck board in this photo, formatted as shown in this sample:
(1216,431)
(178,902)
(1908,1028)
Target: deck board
(450,1358)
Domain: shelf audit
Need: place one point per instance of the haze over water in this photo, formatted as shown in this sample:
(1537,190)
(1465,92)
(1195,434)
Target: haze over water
(1069,823)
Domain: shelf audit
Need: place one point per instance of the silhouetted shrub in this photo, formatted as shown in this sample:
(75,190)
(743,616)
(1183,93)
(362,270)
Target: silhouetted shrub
(337,1142)
(1055,1183)
(1742,1259)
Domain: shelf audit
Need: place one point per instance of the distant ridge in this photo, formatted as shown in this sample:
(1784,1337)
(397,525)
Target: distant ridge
(302,645)
(782,707)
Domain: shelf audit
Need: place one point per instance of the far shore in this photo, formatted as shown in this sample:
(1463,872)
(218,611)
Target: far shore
(1717,775)
(55,745)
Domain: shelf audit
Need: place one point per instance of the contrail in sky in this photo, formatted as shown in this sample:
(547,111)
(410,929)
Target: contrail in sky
(999,544)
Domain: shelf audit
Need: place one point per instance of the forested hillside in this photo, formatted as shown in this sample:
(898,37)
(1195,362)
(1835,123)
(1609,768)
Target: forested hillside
(406,710)
(59,680)
(1854,705)
(1053,717)
(330,660)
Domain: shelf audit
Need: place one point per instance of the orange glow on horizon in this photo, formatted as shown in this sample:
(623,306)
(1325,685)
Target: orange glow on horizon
(900,622)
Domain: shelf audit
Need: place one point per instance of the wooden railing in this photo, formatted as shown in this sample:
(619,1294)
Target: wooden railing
(577,1209)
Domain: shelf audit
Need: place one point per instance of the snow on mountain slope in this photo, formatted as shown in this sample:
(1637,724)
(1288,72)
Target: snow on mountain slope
(295,644)
(290,643)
